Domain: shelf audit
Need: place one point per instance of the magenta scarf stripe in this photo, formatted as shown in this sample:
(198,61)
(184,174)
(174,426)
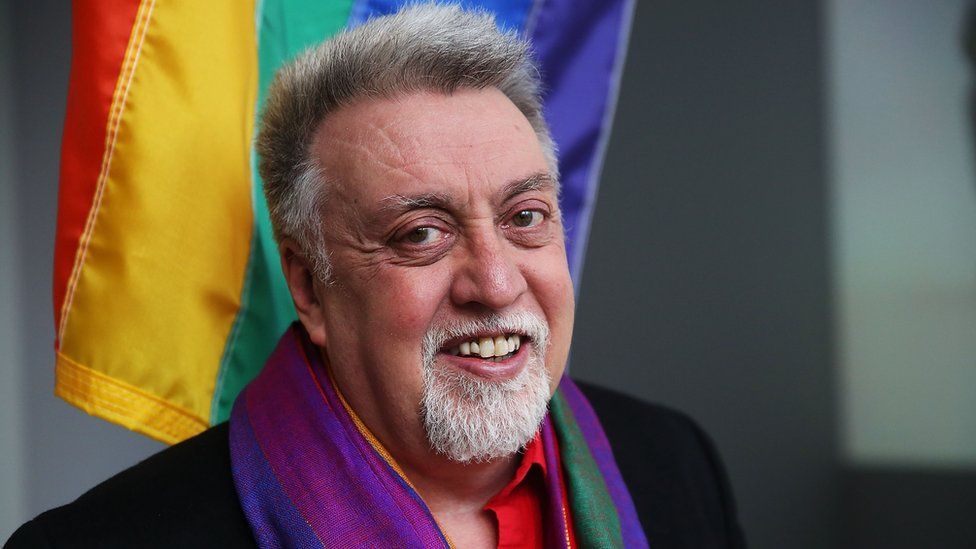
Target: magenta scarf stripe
(407,499)
(556,527)
(340,486)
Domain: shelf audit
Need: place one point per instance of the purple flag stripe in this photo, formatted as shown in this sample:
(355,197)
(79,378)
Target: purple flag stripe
(581,47)
(589,425)
(509,14)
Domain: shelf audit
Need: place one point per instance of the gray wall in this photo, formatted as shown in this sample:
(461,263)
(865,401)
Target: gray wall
(11,425)
(901,123)
(62,451)
(706,284)
(905,227)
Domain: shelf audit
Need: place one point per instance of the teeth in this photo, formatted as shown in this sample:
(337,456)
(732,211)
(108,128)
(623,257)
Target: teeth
(488,347)
(501,346)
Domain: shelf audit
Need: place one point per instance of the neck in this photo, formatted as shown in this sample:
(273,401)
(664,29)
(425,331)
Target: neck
(448,485)
(456,495)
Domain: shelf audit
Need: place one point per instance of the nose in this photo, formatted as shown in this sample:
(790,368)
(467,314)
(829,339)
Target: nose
(487,273)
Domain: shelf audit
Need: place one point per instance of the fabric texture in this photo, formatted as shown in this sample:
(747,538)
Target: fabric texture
(308,473)
(185,497)
(161,115)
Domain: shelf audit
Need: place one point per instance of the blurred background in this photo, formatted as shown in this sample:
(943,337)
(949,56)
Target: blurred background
(784,247)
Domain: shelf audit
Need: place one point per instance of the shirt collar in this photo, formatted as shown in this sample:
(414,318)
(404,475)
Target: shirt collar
(533,454)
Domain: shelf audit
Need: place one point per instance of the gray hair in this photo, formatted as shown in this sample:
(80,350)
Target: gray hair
(424,47)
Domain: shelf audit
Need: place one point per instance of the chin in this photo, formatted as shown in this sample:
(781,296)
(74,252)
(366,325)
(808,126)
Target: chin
(473,420)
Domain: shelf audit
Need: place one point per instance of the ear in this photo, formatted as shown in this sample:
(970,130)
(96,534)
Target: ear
(305,290)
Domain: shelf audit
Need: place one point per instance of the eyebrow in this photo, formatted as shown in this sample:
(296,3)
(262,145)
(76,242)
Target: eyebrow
(400,203)
(540,181)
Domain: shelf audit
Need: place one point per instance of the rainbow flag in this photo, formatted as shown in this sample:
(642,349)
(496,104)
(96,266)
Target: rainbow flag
(168,294)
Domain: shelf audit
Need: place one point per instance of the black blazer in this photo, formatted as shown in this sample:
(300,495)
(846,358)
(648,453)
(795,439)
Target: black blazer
(184,496)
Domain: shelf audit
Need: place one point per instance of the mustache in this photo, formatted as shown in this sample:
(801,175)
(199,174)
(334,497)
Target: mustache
(522,322)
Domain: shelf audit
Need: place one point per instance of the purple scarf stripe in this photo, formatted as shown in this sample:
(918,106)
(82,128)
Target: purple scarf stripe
(274,520)
(307,477)
(589,425)
(330,473)
(416,509)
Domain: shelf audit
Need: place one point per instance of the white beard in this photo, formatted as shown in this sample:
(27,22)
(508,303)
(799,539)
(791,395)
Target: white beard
(475,420)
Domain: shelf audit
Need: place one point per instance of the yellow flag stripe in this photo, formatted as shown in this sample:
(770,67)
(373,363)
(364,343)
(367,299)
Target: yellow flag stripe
(122,403)
(163,259)
(115,111)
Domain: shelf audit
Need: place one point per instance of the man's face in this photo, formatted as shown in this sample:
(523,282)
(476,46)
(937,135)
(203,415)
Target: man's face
(440,214)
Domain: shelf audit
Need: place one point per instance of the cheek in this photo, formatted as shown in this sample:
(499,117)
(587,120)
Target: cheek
(403,301)
(553,289)
(383,321)
(548,276)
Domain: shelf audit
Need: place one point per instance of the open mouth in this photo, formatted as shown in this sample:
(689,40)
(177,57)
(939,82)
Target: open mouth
(494,348)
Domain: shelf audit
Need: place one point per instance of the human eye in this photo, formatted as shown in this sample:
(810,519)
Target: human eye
(422,241)
(527,218)
(531,224)
(422,235)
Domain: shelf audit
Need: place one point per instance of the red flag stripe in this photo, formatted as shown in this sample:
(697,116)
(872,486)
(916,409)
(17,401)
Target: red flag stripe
(101,32)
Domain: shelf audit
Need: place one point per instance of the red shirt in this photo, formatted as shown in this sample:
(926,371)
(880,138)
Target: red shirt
(520,507)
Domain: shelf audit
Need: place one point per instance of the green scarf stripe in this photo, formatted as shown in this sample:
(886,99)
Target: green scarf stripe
(594,515)
(285,29)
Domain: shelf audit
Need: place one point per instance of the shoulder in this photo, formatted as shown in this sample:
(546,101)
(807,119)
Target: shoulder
(620,412)
(672,470)
(183,496)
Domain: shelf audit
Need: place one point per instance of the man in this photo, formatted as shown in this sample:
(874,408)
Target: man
(420,400)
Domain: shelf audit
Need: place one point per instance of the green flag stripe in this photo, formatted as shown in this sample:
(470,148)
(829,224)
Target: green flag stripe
(285,28)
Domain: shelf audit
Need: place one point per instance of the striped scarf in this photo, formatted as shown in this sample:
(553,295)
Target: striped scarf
(309,474)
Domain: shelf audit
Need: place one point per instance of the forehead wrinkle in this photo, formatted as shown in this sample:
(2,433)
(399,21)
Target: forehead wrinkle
(382,132)
(367,153)
(452,152)
(398,134)
(342,149)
